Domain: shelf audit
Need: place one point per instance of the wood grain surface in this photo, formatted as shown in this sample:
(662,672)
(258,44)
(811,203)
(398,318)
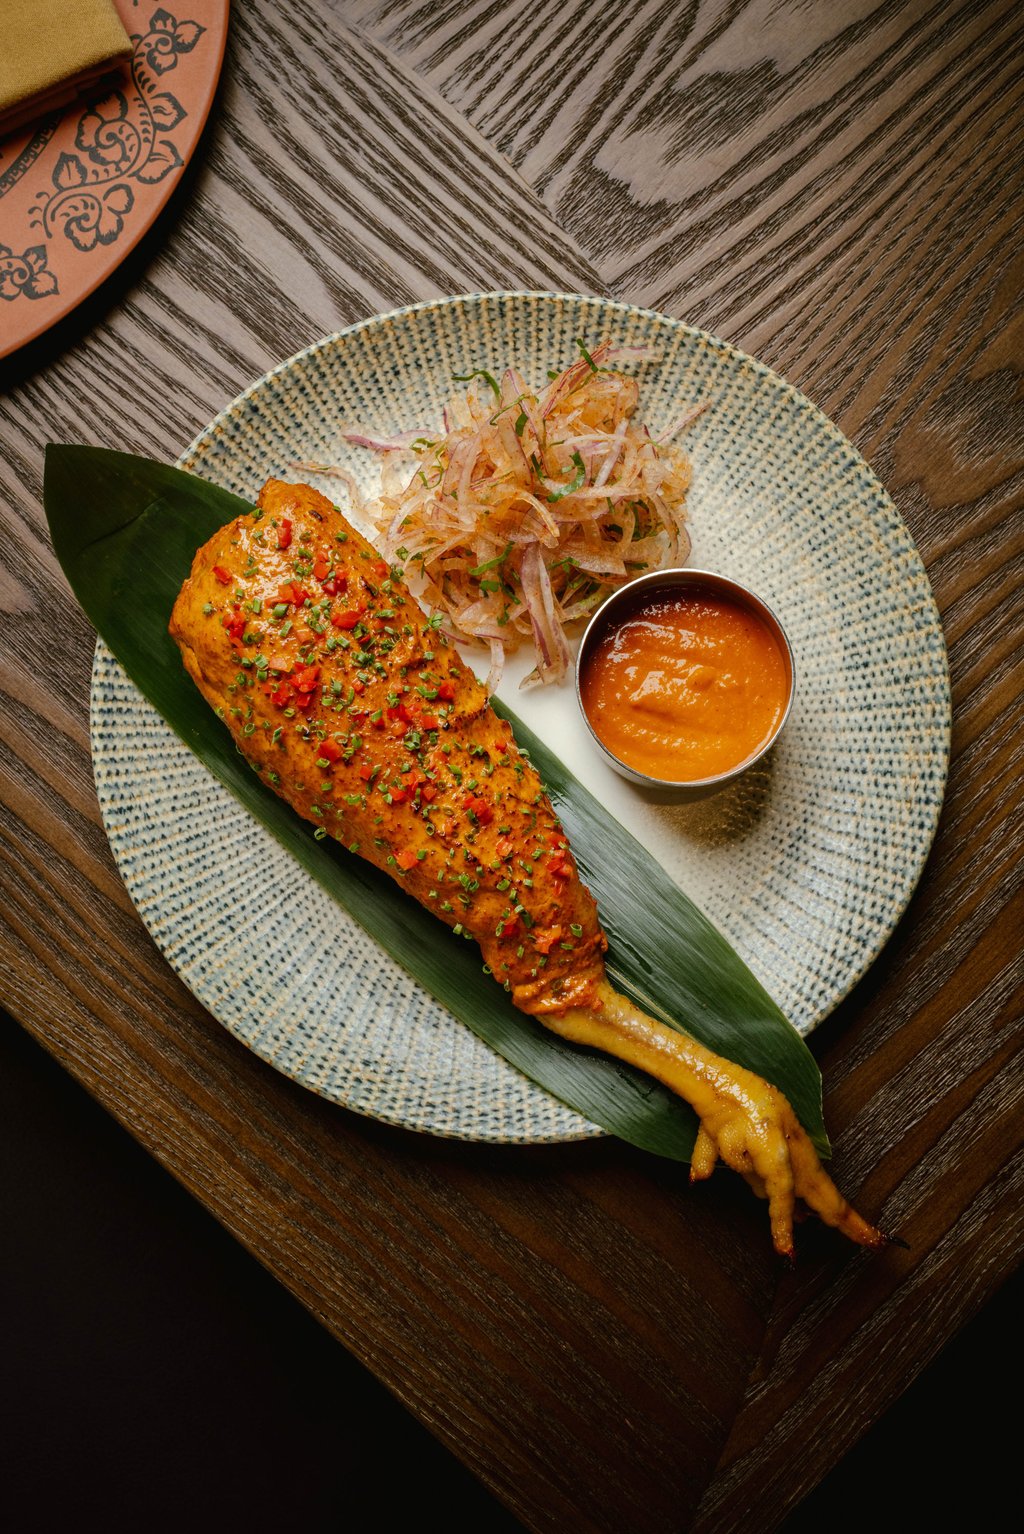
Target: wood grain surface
(836,188)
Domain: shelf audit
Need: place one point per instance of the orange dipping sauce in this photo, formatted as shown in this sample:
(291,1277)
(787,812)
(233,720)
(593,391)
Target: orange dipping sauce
(688,685)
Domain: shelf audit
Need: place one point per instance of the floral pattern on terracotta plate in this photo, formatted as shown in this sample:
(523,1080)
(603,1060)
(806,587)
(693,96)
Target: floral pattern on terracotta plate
(79,188)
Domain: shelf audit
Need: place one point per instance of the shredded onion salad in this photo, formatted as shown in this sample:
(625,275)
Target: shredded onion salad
(532,507)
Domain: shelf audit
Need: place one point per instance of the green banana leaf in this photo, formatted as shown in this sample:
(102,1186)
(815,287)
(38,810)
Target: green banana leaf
(125,530)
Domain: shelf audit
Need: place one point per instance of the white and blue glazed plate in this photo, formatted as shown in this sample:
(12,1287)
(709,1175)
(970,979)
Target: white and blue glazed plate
(806,864)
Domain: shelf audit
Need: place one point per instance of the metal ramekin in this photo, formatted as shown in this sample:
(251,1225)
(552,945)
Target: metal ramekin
(625,601)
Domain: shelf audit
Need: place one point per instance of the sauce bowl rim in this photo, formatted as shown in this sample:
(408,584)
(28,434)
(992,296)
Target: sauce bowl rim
(680,575)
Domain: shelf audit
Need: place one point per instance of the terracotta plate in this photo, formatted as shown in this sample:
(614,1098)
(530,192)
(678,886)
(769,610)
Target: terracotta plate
(79,189)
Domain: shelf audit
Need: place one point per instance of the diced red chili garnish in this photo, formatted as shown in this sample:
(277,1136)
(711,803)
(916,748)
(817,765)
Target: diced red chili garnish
(546,938)
(406,859)
(366,772)
(559,862)
(446,691)
(321,566)
(509,927)
(427,721)
(279,661)
(504,847)
(235,625)
(399,795)
(306,679)
(480,808)
(282,695)
(305,701)
(224,576)
(330,749)
(291,591)
(284,533)
(379,568)
(345,620)
(428,792)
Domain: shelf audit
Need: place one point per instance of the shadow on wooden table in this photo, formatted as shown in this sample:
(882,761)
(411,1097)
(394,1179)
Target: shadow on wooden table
(155,1375)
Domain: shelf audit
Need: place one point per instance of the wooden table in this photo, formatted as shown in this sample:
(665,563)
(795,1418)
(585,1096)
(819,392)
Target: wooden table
(836,189)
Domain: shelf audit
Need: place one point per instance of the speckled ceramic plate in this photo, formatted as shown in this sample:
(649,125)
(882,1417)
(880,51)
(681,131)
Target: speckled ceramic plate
(806,864)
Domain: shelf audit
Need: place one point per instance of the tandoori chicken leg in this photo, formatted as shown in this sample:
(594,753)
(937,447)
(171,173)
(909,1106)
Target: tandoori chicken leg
(356,709)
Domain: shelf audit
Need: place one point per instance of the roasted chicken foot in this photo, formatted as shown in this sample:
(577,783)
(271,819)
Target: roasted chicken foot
(355,708)
(744,1120)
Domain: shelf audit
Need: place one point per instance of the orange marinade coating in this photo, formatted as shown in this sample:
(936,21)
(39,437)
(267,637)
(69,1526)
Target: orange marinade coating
(356,710)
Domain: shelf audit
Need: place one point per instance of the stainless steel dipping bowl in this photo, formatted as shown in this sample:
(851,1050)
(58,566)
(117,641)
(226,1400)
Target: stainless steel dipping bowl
(621,605)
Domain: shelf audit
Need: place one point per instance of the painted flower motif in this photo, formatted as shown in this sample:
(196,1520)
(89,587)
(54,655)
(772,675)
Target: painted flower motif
(90,220)
(165,110)
(119,140)
(166,38)
(106,135)
(25,275)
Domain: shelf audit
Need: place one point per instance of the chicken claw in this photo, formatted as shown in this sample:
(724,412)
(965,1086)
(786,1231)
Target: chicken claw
(744,1120)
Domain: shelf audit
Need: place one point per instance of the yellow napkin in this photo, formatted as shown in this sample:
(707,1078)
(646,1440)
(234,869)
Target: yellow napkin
(51,50)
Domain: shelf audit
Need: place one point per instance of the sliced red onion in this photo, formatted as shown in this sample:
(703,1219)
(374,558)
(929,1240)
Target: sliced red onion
(685,421)
(396,444)
(489,495)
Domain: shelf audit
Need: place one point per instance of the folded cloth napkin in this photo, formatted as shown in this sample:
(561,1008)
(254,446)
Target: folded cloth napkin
(51,50)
